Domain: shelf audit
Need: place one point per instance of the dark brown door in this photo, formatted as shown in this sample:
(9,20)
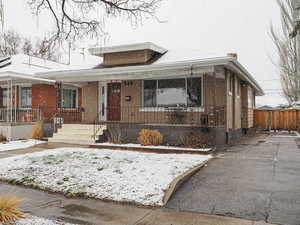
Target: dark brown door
(114,102)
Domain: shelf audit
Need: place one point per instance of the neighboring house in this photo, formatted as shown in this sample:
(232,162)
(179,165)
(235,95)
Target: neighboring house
(146,86)
(26,98)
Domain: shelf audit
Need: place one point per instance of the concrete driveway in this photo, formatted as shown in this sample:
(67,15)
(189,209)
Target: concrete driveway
(258,179)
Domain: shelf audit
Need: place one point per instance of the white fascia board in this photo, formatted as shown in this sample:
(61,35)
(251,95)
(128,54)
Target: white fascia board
(245,75)
(7,76)
(100,51)
(170,73)
(135,69)
(154,71)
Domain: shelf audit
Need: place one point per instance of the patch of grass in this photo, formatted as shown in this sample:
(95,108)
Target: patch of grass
(9,211)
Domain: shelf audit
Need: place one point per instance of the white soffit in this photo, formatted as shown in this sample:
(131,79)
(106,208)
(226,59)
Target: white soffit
(100,51)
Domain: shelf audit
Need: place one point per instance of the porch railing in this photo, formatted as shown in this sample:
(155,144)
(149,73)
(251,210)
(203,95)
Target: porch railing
(20,115)
(207,116)
(62,115)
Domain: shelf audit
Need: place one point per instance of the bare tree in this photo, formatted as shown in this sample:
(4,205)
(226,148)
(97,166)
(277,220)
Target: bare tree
(288,52)
(46,48)
(12,43)
(86,18)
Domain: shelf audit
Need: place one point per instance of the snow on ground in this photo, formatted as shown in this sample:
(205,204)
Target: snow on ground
(114,175)
(38,221)
(13,145)
(155,147)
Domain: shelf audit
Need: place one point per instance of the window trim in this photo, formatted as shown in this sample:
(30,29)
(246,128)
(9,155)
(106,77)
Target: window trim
(165,109)
(20,96)
(62,95)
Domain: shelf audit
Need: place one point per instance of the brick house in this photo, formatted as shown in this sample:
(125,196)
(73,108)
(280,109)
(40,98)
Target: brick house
(146,86)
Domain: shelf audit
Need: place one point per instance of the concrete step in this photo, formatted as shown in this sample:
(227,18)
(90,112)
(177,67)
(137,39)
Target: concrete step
(71,141)
(74,136)
(75,132)
(78,126)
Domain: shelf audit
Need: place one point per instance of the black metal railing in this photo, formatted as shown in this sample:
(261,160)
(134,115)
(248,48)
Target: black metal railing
(209,116)
(62,115)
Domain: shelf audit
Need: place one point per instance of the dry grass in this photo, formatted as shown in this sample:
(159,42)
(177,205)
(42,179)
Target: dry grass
(38,131)
(2,138)
(150,138)
(9,211)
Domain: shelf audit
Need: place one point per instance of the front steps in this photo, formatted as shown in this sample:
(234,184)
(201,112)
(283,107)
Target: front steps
(76,134)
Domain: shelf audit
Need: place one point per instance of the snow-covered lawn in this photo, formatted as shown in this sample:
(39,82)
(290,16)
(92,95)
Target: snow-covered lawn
(38,221)
(13,145)
(123,176)
(155,147)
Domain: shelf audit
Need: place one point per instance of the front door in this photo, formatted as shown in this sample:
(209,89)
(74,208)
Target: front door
(114,102)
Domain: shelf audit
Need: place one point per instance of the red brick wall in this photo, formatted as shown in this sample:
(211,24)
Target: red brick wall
(44,95)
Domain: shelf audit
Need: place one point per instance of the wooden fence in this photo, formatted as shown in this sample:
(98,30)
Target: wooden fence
(277,119)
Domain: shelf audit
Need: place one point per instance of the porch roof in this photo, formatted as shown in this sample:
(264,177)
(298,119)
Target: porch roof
(157,70)
(19,79)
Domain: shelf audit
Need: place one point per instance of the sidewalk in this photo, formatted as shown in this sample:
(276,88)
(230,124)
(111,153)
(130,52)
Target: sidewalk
(96,212)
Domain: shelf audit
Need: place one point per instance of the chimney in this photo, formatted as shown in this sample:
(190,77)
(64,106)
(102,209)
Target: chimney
(234,55)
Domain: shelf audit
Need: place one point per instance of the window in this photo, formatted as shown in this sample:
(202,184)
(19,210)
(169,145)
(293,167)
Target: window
(69,98)
(4,97)
(150,87)
(26,96)
(173,92)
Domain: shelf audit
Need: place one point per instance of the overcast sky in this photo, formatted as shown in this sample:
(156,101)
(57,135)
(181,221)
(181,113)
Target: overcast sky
(212,27)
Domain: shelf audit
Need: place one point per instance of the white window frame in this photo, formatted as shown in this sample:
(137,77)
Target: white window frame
(64,87)
(166,109)
(20,95)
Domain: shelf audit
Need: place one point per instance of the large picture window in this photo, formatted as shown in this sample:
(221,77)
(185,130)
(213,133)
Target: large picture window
(173,92)
(69,98)
(26,96)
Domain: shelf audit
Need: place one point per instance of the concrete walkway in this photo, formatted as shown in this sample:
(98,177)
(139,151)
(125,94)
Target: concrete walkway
(96,212)
(258,179)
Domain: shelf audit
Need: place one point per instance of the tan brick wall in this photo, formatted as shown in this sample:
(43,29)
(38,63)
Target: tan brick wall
(131,109)
(90,102)
(247,111)
(123,58)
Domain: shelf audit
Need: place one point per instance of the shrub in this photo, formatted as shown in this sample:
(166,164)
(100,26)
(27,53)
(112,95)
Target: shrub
(196,140)
(38,131)
(150,137)
(9,211)
(3,138)
(114,134)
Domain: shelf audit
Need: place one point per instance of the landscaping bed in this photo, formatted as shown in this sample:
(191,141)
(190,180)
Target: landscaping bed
(14,145)
(122,176)
(157,149)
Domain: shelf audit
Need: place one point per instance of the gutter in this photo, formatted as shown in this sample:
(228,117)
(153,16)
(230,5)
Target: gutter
(157,67)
